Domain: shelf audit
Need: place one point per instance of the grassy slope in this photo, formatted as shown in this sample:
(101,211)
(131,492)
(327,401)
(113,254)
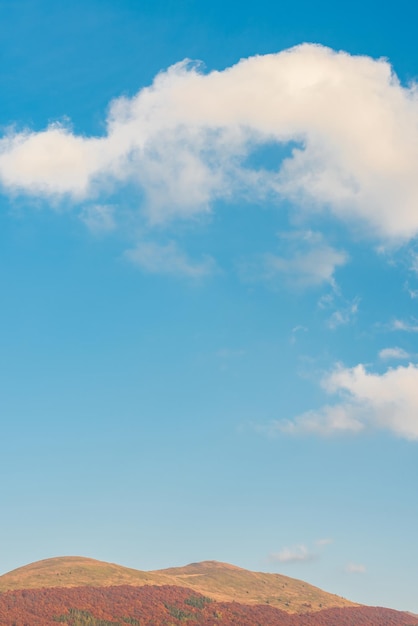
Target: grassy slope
(219,581)
(228,583)
(75,571)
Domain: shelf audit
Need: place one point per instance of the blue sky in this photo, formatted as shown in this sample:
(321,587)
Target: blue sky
(209,288)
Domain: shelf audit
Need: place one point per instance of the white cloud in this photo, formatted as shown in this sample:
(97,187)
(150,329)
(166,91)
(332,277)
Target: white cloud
(312,268)
(393,353)
(355,568)
(311,260)
(306,260)
(409,327)
(328,420)
(185,142)
(296,554)
(168,259)
(387,401)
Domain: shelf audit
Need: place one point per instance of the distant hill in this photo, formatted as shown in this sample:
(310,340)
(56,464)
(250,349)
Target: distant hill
(218,581)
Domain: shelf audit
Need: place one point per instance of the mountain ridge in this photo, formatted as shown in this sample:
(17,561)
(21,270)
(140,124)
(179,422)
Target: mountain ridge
(216,580)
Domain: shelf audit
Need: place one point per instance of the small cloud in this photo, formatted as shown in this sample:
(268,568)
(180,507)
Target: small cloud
(408,327)
(309,261)
(393,353)
(168,259)
(295,331)
(344,312)
(326,421)
(99,218)
(355,568)
(296,554)
(305,260)
(345,315)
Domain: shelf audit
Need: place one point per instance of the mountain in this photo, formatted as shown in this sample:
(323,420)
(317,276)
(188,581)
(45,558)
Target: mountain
(218,581)
(77,591)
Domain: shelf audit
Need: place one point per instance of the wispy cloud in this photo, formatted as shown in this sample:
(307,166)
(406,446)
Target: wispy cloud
(410,326)
(304,260)
(340,310)
(413,293)
(185,141)
(99,218)
(169,259)
(393,353)
(344,315)
(296,330)
(309,261)
(328,420)
(387,401)
(300,553)
(296,554)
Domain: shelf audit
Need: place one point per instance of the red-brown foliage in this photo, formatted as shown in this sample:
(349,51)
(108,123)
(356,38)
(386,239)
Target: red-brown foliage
(169,606)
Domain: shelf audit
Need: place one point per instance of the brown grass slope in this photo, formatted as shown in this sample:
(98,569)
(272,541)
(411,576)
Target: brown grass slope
(228,583)
(219,581)
(76,571)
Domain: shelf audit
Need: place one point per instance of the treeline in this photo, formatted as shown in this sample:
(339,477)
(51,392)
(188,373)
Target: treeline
(168,606)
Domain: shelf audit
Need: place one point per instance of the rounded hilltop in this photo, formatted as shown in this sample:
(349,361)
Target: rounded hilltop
(72,571)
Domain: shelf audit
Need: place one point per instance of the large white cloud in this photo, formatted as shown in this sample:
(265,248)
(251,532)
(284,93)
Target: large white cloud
(386,401)
(185,141)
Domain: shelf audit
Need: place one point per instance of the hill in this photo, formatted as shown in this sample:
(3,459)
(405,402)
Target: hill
(76,571)
(228,583)
(218,581)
